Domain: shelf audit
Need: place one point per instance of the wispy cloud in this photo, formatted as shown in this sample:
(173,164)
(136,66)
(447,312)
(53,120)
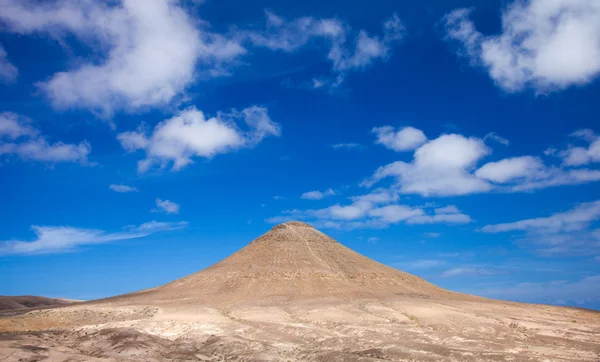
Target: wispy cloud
(580,291)
(346,146)
(19,138)
(122,188)
(347,50)
(8,72)
(468,271)
(563,233)
(60,239)
(317,195)
(378,209)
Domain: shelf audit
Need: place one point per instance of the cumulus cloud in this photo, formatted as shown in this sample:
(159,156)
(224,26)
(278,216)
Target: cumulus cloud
(317,195)
(377,209)
(166,206)
(19,138)
(152,52)
(578,156)
(566,232)
(440,167)
(447,166)
(405,139)
(58,239)
(190,134)
(544,45)
(122,188)
(8,72)
(347,50)
(510,169)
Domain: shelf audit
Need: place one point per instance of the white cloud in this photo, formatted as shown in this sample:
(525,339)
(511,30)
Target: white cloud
(577,218)
(495,137)
(421,264)
(155,226)
(446,166)
(433,235)
(152,52)
(440,167)
(378,209)
(57,239)
(544,45)
(563,233)
(8,72)
(510,169)
(346,146)
(190,134)
(405,139)
(556,292)
(317,195)
(19,138)
(344,54)
(577,156)
(166,206)
(123,188)
(468,271)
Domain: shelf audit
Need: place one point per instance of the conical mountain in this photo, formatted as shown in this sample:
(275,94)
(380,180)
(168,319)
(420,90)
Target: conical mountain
(291,262)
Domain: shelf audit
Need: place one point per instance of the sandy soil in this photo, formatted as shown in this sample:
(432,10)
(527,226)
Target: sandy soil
(295,294)
(402,329)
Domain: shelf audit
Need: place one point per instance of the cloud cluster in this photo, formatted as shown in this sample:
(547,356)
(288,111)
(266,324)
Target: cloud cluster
(378,209)
(544,45)
(190,134)
(57,239)
(556,291)
(346,50)
(19,138)
(152,52)
(448,166)
(440,167)
(569,231)
(8,72)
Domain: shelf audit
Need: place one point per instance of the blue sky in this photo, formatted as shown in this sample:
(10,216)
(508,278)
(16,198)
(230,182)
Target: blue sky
(456,140)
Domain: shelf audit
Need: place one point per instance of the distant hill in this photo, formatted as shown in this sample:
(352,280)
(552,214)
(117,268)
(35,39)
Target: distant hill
(29,301)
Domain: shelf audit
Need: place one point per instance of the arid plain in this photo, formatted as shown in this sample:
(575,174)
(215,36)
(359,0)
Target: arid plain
(295,294)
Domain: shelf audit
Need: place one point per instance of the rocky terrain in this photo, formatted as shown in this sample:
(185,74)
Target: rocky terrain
(294,294)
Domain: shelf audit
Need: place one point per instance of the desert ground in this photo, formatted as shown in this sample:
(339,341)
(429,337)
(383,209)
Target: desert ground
(294,294)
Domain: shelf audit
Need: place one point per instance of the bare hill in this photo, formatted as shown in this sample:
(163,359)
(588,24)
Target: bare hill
(292,262)
(28,301)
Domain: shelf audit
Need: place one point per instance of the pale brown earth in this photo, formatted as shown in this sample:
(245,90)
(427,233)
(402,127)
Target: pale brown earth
(294,294)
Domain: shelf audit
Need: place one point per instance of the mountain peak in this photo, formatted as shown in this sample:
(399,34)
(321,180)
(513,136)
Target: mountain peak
(292,261)
(292,223)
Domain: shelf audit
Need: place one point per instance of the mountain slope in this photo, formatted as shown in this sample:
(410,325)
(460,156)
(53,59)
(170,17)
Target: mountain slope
(293,261)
